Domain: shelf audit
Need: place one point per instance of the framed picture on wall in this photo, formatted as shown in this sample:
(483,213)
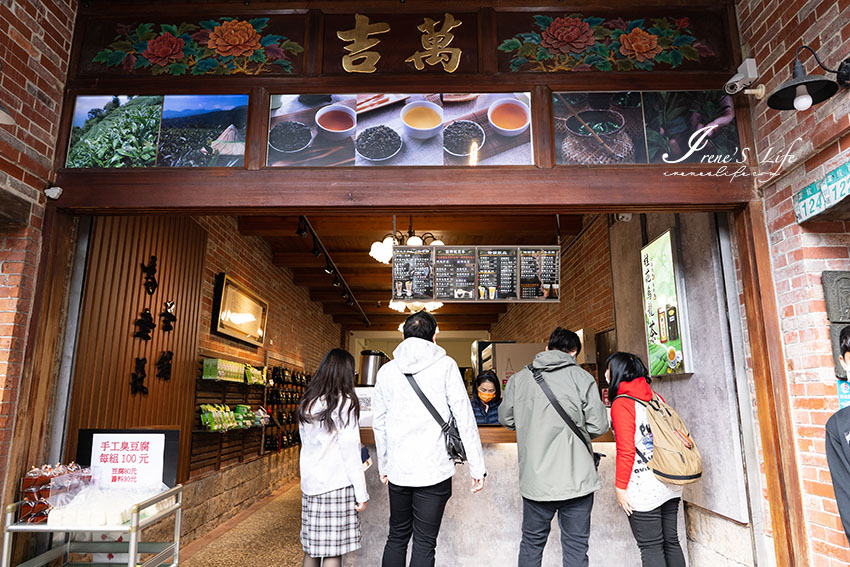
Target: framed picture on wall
(238,313)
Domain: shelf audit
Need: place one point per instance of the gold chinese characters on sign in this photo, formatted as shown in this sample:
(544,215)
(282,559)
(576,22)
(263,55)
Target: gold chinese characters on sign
(359,59)
(436,45)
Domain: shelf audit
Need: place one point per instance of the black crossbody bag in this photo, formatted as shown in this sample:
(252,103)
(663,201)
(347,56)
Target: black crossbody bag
(454,445)
(538,377)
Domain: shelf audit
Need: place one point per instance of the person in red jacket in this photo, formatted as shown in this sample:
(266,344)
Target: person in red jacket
(651,505)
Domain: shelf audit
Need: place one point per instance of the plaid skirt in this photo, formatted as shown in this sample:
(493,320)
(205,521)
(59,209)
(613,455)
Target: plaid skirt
(330,526)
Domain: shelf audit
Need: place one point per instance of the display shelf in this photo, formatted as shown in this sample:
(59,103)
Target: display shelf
(133,547)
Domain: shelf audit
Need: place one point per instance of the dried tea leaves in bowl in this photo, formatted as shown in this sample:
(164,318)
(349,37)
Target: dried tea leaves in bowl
(378,143)
(290,136)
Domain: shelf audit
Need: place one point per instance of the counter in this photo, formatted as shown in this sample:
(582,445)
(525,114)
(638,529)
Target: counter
(485,528)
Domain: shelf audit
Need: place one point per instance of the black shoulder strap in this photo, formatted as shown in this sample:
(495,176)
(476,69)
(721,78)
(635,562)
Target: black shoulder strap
(426,401)
(538,377)
(641,402)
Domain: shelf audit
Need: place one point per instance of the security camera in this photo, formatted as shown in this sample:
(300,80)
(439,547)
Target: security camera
(624,217)
(746,76)
(53,192)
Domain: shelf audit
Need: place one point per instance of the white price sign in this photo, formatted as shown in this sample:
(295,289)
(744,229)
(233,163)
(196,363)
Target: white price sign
(132,460)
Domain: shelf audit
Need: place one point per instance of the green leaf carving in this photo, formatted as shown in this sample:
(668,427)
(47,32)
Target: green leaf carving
(102,56)
(259,56)
(528,50)
(689,53)
(509,45)
(186,28)
(260,23)
(543,22)
(543,54)
(115,58)
(624,65)
(169,28)
(518,62)
(178,68)
(291,46)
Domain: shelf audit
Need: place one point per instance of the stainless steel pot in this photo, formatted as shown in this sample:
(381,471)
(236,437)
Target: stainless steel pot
(370,362)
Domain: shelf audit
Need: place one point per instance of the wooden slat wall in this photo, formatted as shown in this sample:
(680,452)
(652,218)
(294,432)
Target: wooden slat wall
(113,299)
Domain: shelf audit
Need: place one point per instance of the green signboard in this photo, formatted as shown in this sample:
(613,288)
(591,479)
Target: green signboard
(664,321)
(823,194)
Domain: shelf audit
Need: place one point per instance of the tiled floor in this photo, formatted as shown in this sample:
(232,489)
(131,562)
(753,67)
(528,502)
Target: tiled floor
(265,535)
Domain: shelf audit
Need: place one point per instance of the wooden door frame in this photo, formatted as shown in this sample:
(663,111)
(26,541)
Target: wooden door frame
(771,387)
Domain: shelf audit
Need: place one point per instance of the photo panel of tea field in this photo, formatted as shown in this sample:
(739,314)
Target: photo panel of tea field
(203,131)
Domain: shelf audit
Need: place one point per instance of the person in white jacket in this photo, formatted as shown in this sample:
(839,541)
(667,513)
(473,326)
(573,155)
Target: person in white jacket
(333,485)
(412,455)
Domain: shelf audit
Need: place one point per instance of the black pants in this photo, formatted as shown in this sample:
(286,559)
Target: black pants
(416,511)
(574,521)
(656,533)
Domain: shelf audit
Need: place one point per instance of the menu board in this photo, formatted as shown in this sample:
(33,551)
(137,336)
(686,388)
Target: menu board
(539,273)
(497,273)
(413,272)
(454,273)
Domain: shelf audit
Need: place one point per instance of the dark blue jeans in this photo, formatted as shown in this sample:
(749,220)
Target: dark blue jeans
(574,521)
(416,511)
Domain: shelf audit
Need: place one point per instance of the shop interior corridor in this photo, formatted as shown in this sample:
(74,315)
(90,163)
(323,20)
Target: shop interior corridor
(264,535)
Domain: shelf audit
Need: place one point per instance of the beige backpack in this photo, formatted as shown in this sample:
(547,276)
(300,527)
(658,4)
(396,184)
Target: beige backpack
(675,457)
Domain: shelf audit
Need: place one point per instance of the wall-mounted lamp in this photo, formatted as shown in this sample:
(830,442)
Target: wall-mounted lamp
(5,115)
(803,91)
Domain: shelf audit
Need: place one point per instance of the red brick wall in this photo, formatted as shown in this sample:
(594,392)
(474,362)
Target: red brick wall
(820,137)
(587,298)
(35,40)
(296,326)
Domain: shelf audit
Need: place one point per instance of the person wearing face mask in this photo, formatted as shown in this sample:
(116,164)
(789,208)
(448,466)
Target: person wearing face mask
(486,397)
(838,443)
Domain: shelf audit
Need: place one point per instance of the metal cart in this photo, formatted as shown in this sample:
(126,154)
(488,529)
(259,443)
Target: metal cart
(133,528)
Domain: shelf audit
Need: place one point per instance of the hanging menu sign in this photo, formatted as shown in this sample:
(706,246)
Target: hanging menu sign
(539,273)
(454,273)
(497,274)
(413,273)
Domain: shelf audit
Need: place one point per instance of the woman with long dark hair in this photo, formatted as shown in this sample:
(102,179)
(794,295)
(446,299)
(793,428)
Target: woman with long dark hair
(333,485)
(651,505)
(486,397)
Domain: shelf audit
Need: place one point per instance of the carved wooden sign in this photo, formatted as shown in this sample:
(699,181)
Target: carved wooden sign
(439,42)
(220,46)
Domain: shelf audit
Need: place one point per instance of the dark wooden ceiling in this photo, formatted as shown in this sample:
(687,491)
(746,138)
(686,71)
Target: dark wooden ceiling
(348,239)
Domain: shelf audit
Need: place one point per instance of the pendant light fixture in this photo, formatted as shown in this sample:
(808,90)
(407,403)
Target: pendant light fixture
(803,91)
(382,250)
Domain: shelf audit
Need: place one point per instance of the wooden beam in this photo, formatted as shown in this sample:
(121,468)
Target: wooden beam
(446,327)
(341,259)
(476,190)
(784,490)
(377,224)
(14,210)
(332,294)
(481,319)
(371,308)
(370,280)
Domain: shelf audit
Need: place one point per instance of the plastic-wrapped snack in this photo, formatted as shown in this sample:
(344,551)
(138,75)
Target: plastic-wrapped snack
(31,478)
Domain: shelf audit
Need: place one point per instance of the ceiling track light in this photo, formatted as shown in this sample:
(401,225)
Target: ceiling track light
(330,268)
(302,228)
(803,91)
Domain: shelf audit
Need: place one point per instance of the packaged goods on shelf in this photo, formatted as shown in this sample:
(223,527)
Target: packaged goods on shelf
(255,375)
(219,369)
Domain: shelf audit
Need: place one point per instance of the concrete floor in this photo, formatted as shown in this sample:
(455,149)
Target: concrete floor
(264,535)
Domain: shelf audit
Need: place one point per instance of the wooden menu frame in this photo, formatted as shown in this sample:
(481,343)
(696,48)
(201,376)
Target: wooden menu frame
(229,294)
(479,297)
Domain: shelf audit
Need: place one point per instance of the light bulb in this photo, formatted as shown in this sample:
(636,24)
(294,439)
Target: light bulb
(438,242)
(414,241)
(803,100)
(377,251)
(389,241)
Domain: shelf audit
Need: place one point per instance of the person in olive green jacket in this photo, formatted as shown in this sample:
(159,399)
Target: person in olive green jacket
(556,471)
